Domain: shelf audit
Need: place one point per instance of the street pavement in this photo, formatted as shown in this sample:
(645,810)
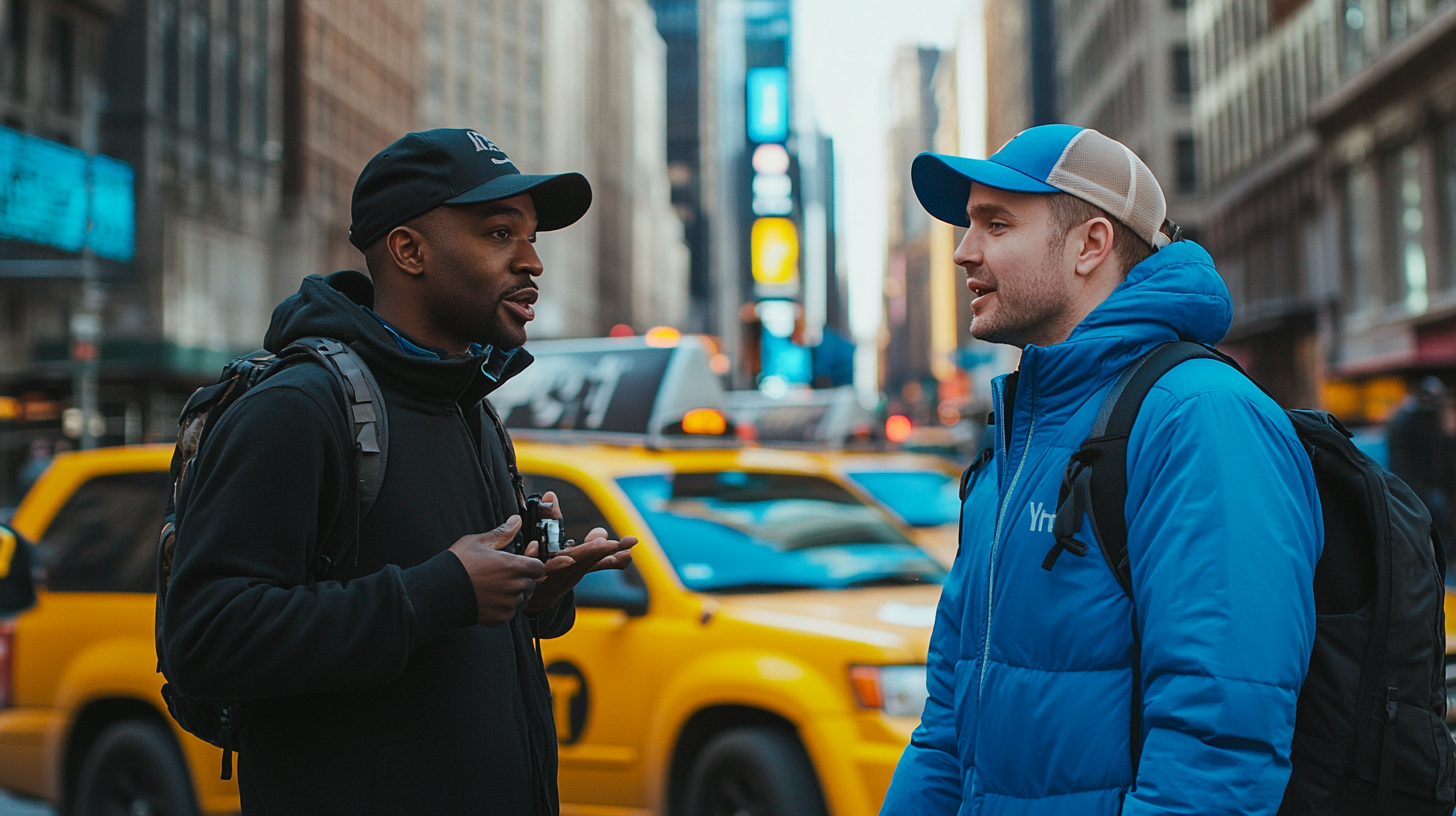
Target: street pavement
(14,806)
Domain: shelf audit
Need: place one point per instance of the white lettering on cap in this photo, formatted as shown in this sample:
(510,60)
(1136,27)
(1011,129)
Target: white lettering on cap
(482,143)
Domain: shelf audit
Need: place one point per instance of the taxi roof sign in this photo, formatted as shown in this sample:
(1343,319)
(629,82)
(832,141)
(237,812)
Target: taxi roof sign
(618,389)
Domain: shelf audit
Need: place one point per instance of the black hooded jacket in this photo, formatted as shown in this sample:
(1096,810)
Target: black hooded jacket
(374,690)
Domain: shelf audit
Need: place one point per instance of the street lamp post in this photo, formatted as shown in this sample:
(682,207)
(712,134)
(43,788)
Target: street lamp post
(86,353)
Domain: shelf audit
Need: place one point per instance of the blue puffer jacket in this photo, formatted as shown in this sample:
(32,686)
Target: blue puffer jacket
(1030,671)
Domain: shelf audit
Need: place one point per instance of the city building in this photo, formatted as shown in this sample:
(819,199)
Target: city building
(574,85)
(351,80)
(1327,145)
(239,126)
(679,23)
(1387,134)
(1019,43)
(932,369)
(1123,69)
(765,183)
(193,103)
(52,80)
(1258,69)
(908,360)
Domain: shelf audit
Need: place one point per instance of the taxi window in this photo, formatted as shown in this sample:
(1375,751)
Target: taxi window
(744,531)
(105,537)
(923,498)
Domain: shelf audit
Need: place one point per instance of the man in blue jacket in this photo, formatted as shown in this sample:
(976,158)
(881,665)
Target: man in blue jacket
(1030,671)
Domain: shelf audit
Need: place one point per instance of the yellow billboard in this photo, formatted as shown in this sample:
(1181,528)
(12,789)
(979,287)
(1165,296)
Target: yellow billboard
(775,248)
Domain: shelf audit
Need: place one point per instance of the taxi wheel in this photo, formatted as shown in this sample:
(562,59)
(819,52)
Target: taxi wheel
(134,769)
(753,772)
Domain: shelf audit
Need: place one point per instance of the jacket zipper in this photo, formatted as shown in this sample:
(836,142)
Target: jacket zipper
(996,536)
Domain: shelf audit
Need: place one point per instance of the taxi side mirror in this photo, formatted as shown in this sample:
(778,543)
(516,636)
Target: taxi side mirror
(613,589)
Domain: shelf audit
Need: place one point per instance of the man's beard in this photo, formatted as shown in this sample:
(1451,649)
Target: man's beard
(1038,301)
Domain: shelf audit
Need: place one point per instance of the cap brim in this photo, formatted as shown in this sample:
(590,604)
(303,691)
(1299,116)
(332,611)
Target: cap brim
(560,200)
(943,183)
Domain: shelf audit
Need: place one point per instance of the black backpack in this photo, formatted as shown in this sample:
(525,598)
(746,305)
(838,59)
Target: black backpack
(217,721)
(1370,734)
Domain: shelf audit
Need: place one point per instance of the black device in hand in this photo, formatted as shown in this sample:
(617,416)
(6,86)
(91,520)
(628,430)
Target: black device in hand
(538,525)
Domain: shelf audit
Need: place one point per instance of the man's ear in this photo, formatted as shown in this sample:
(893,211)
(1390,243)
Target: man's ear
(1093,244)
(407,248)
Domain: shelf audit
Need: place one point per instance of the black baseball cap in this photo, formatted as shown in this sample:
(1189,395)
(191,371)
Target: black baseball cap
(454,166)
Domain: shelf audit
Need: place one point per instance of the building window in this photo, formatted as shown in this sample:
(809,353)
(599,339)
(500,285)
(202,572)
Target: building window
(1183,151)
(167,24)
(17,35)
(1404,196)
(1352,42)
(62,57)
(1397,19)
(1362,235)
(202,68)
(260,73)
(233,73)
(1182,74)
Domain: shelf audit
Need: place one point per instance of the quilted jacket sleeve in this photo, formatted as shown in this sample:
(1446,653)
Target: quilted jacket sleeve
(1224,530)
(928,779)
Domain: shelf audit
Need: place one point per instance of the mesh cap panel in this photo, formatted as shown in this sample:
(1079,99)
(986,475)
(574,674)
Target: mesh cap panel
(1104,172)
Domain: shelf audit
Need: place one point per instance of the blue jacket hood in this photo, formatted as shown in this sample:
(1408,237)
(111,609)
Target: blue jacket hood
(1174,294)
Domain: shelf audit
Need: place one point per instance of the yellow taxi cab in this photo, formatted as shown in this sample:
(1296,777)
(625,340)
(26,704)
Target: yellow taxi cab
(765,653)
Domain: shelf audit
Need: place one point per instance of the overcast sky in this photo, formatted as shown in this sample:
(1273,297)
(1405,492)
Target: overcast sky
(842,53)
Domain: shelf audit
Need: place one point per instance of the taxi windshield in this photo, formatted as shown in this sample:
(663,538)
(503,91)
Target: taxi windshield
(923,498)
(746,531)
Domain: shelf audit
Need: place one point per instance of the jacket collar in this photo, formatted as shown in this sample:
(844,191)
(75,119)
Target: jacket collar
(339,306)
(1175,294)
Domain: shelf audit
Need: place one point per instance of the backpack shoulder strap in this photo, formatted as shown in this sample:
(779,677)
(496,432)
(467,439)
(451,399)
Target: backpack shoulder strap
(368,423)
(970,476)
(1095,482)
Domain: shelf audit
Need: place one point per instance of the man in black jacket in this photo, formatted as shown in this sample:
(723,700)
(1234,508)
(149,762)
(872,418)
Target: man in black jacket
(407,681)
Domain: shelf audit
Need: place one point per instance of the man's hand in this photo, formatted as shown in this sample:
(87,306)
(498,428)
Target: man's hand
(565,570)
(503,581)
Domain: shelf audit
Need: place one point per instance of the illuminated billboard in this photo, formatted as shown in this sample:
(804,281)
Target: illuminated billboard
(774,246)
(61,197)
(768,104)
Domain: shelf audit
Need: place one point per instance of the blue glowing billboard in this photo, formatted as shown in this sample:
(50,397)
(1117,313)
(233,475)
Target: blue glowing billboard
(768,104)
(113,209)
(62,197)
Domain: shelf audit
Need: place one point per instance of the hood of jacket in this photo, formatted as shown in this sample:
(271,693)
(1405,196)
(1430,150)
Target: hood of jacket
(1174,294)
(338,307)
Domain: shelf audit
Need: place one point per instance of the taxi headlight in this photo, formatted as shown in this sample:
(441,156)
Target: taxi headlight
(899,691)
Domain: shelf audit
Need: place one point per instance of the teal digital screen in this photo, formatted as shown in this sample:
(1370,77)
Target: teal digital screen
(61,197)
(113,209)
(768,104)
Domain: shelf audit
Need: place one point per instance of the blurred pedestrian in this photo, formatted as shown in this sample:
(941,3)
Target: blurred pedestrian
(407,682)
(35,464)
(1034,673)
(1419,442)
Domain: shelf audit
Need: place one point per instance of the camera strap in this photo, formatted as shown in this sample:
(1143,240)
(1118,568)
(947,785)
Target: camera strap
(510,454)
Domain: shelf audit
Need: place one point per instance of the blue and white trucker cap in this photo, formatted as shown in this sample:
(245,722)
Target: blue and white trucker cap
(1049,159)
